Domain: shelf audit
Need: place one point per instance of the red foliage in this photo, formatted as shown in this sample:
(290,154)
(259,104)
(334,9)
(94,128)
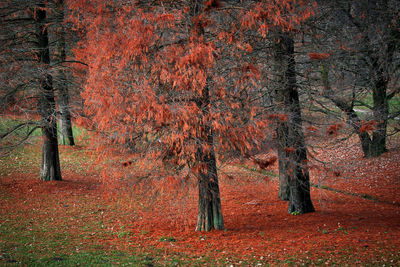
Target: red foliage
(319,56)
(264,164)
(311,129)
(289,149)
(367,126)
(279,116)
(333,129)
(212,4)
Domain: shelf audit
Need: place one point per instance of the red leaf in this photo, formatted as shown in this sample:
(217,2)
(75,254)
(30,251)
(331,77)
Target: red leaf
(319,55)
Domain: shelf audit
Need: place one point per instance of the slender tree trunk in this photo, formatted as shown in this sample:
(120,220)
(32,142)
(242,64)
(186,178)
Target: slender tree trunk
(295,159)
(50,168)
(66,135)
(364,137)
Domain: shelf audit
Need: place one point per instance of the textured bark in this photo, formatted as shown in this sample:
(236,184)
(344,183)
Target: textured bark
(282,133)
(50,168)
(66,135)
(381,113)
(210,212)
(280,84)
(294,148)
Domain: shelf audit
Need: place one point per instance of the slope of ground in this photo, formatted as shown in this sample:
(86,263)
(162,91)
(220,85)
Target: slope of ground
(77,222)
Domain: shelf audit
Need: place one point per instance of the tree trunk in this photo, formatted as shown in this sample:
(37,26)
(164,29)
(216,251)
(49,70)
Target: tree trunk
(210,212)
(375,145)
(66,135)
(50,168)
(280,84)
(381,113)
(295,158)
(282,133)
(364,137)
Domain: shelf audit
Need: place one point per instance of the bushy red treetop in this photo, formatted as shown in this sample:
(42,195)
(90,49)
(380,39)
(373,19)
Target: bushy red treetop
(151,63)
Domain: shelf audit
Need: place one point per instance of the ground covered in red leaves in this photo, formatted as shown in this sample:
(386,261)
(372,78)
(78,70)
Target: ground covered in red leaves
(357,218)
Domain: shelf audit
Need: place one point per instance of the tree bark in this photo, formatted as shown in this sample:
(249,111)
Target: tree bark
(280,83)
(50,168)
(294,148)
(209,212)
(380,112)
(282,133)
(66,135)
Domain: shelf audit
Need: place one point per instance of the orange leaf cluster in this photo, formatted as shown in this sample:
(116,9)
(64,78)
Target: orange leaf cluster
(278,116)
(264,164)
(367,126)
(319,56)
(333,129)
(289,149)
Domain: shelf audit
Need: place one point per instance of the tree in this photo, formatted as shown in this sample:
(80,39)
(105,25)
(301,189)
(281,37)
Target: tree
(290,134)
(25,34)
(66,135)
(278,22)
(50,168)
(165,73)
(363,40)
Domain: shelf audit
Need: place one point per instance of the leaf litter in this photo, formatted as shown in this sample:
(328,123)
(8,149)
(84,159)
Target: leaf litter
(257,223)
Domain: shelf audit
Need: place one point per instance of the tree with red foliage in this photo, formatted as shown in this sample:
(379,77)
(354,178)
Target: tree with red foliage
(163,75)
(179,75)
(279,21)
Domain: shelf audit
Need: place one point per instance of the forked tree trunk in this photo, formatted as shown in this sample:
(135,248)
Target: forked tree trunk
(50,168)
(66,135)
(295,153)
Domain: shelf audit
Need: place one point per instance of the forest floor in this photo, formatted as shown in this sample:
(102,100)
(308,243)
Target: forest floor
(81,221)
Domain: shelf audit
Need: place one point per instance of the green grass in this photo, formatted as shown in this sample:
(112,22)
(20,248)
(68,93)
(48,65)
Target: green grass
(7,124)
(26,157)
(80,134)
(394,103)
